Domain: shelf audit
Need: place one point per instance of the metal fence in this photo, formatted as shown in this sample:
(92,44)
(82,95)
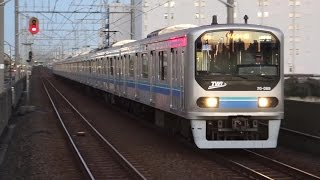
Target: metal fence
(9,100)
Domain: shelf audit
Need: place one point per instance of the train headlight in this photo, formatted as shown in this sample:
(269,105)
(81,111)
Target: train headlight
(208,102)
(267,102)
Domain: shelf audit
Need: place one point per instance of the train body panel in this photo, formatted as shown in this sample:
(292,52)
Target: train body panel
(227,80)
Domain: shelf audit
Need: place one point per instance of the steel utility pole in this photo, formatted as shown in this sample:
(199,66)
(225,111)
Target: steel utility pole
(16,30)
(1,46)
(133,14)
(230,10)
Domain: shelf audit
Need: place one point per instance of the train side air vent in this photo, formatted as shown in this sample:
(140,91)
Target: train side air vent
(170,29)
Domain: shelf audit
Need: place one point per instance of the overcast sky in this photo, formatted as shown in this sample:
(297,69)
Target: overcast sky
(310,64)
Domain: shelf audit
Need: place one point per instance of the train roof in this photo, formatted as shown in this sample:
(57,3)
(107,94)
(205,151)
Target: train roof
(171,29)
(129,46)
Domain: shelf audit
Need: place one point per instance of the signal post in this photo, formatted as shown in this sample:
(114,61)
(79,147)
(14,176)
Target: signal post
(1,46)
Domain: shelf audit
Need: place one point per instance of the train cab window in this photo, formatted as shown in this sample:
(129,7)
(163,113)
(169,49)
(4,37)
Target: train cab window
(131,66)
(145,65)
(163,65)
(237,53)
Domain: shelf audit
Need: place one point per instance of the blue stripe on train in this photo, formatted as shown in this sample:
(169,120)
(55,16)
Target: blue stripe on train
(145,87)
(238,102)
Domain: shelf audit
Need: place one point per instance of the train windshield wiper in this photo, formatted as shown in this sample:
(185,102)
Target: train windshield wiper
(240,76)
(265,76)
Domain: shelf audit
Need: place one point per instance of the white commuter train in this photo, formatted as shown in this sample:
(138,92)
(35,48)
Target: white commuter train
(223,82)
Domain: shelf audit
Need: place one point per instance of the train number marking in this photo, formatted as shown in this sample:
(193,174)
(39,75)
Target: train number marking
(263,88)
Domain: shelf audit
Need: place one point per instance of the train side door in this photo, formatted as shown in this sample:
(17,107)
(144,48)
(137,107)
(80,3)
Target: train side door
(137,75)
(181,57)
(153,75)
(112,74)
(175,83)
(117,75)
(124,75)
(152,70)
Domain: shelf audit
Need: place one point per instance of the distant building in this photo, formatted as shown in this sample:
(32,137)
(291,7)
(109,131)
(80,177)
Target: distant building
(296,18)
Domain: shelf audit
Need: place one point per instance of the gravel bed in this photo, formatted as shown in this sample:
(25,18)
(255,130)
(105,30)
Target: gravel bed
(158,155)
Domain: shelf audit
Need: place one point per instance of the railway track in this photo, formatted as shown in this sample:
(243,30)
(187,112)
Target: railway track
(257,166)
(306,135)
(98,158)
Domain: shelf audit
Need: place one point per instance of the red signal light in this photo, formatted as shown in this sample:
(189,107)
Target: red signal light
(34,25)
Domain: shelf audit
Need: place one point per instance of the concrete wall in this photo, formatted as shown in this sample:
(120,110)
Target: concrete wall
(302,116)
(9,100)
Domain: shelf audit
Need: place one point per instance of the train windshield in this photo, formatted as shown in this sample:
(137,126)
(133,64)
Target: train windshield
(248,54)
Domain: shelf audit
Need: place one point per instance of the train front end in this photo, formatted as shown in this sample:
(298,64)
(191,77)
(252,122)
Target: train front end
(237,93)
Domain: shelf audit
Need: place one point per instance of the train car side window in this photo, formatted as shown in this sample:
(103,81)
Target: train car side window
(145,65)
(163,64)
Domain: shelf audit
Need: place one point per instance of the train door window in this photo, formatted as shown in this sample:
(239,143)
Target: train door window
(119,64)
(177,62)
(100,65)
(111,66)
(94,66)
(163,65)
(174,62)
(107,66)
(137,70)
(145,65)
(124,65)
(83,66)
(87,67)
(104,66)
(97,66)
(151,63)
(116,62)
(131,66)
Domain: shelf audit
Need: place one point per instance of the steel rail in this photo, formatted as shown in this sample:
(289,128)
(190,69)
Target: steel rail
(138,174)
(301,133)
(84,164)
(296,132)
(304,173)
